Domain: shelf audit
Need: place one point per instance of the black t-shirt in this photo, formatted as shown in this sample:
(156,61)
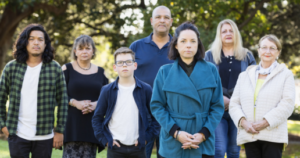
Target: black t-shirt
(82,87)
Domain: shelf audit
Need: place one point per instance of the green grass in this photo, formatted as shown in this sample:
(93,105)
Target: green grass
(291,151)
(294,127)
(4,152)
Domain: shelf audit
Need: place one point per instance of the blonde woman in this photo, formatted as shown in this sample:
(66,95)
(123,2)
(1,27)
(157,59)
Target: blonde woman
(262,101)
(231,58)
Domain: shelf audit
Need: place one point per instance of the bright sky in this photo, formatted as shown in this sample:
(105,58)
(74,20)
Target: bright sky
(126,29)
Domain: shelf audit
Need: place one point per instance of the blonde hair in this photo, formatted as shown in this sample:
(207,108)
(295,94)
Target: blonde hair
(240,53)
(83,41)
(272,38)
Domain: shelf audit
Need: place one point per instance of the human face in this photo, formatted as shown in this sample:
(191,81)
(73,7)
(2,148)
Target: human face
(187,45)
(125,71)
(84,52)
(36,43)
(268,51)
(227,34)
(161,21)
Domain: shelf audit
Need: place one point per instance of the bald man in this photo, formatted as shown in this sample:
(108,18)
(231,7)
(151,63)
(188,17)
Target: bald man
(152,53)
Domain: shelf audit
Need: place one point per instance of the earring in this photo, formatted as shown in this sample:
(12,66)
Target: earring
(277,57)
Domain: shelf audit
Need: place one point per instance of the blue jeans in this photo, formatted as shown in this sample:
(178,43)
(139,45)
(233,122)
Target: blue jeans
(150,145)
(226,138)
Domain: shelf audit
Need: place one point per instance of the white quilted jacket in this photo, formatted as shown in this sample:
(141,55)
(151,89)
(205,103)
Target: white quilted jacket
(275,103)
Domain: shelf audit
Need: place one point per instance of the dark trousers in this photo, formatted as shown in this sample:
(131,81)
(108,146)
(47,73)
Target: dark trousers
(20,148)
(263,149)
(126,151)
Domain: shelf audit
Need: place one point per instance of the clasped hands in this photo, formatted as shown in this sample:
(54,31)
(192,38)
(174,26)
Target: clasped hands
(188,140)
(86,106)
(255,127)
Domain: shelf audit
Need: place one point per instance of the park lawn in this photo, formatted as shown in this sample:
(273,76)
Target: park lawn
(4,152)
(291,151)
(294,127)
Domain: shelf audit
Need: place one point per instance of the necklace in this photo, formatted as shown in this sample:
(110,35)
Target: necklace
(84,68)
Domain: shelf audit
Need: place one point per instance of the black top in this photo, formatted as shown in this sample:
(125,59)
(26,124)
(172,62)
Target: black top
(82,87)
(229,70)
(188,69)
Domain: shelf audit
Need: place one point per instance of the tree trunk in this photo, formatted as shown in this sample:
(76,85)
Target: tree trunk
(11,18)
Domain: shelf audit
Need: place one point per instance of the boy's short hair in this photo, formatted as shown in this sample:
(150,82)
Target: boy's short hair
(124,50)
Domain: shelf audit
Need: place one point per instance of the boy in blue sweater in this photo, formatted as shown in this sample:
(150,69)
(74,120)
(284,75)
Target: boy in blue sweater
(122,119)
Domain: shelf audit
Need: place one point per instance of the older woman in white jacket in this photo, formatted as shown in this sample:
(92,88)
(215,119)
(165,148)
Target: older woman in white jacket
(262,101)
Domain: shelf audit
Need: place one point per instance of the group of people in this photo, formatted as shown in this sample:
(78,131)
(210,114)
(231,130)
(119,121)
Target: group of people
(169,92)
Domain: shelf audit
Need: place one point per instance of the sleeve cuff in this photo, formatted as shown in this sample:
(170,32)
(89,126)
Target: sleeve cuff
(173,129)
(59,129)
(104,141)
(205,131)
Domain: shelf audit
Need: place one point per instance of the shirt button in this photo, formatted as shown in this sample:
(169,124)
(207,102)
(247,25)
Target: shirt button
(229,70)
(230,62)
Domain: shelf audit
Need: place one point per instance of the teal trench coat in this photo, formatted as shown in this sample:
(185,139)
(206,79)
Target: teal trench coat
(190,102)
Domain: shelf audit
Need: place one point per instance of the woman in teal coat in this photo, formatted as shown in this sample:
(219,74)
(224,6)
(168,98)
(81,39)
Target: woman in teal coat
(187,98)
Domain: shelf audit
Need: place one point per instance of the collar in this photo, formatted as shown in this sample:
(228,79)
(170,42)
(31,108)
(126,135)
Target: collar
(201,78)
(183,64)
(138,83)
(266,71)
(223,55)
(148,39)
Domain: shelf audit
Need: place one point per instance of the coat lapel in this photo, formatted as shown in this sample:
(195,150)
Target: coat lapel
(177,80)
(252,76)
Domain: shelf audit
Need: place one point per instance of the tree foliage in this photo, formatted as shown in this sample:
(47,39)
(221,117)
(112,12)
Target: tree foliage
(65,20)
(255,18)
(101,19)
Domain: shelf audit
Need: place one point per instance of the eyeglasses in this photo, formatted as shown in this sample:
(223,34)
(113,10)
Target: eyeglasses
(127,62)
(272,49)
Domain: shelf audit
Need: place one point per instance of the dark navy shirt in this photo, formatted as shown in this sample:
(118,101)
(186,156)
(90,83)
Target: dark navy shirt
(229,70)
(149,58)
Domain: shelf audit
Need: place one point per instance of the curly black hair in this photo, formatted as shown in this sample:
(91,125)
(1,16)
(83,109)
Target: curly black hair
(20,51)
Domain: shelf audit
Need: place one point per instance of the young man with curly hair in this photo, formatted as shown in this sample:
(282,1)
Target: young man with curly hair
(35,84)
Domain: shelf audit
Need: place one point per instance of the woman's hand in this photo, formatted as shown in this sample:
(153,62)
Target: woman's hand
(187,140)
(248,126)
(260,125)
(80,105)
(226,102)
(90,108)
(198,138)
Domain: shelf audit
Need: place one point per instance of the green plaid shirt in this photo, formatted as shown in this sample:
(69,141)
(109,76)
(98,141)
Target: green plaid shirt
(51,93)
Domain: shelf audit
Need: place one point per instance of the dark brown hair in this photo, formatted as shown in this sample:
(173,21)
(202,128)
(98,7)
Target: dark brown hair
(173,52)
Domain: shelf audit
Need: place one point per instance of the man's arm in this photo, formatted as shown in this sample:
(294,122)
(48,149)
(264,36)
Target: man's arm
(62,102)
(4,92)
